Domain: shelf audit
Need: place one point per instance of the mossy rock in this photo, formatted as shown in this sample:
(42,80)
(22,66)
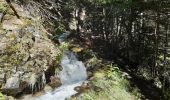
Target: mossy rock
(3,7)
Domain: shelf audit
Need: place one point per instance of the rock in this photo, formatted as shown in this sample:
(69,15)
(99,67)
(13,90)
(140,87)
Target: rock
(11,24)
(12,83)
(25,47)
(90,74)
(1,17)
(55,82)
(83,87)
(80,89)
(10,98)
(2,77)
(12,86)
(63,37)
(97,89)
(37,81)
(48,88)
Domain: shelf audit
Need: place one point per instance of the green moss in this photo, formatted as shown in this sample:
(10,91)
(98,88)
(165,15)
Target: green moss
(12,49)
(111,84)
(110,90)
(13,57)
(3,7)
(63,47)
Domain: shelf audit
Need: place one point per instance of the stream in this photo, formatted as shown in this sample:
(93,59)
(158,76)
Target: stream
(73,74)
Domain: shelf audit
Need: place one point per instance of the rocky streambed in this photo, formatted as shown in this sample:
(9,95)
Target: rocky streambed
(72,75)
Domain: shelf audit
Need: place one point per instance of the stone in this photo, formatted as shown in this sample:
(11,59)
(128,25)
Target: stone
(83,87)
(64,36)
(2,77)
(90,74)
(10,98)
(25,47)
(11,23)
(48,88)
(1,17)
(12,83)
(55,82)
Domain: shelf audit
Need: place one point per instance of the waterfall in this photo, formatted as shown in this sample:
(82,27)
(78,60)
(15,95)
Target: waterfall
(72,75)
(73,70)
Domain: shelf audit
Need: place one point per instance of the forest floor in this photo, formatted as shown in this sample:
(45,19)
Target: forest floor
(110,83)
(146,87)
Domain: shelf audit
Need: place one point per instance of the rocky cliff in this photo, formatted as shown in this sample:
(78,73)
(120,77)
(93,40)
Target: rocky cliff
(26,52)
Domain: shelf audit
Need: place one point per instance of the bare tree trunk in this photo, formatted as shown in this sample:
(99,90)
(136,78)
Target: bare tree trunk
(156,40)
(165,57)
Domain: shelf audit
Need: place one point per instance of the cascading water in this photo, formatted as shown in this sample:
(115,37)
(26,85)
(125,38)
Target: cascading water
(72,75)
(73,70)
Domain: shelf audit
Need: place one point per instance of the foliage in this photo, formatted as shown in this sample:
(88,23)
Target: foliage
(62,48)
(166,94)
(87,54)
(60,28)
(2,97)
(137,93)
(109,87)
(113,71)
(3,7)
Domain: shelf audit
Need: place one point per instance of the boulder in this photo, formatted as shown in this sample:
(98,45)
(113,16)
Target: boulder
(48,88)
(55,82)
(12,82)
(25,47)
(12,86)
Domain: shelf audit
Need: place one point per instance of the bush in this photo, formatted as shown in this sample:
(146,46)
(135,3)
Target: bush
(2,97)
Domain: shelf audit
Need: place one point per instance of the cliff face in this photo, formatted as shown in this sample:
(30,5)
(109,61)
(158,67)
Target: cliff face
(26,52)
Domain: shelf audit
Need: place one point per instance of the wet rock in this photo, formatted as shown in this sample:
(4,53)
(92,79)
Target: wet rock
(80,89)
(55,82)
(48,88)
(63,37)
(83,87)
(37,81)
(97,89)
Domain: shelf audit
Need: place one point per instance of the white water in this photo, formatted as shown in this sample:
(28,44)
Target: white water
(72,75)
(73,70)
(61,93)
(63,37)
